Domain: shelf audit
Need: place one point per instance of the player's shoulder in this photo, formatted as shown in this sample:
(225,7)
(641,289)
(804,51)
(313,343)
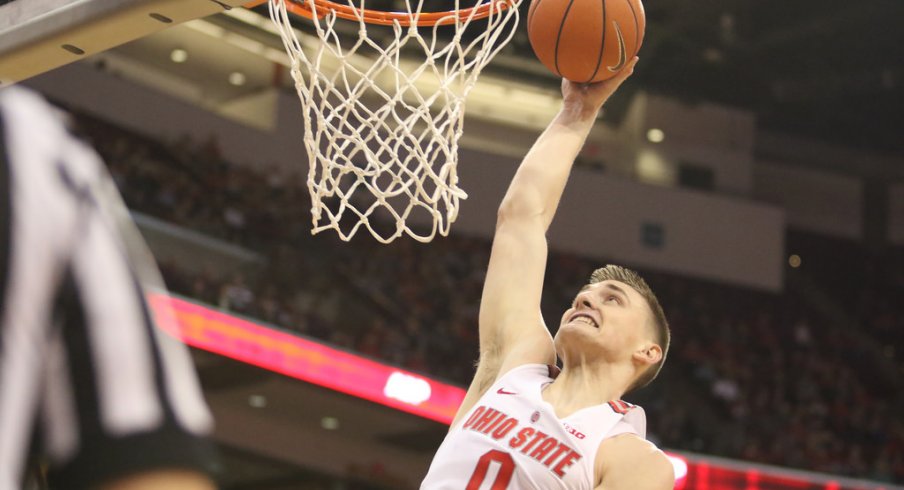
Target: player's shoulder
(632,446)
(633,461)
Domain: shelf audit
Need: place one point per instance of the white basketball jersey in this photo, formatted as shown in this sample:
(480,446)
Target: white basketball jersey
(512,439)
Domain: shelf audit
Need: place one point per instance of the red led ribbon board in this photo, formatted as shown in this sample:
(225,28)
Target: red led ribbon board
(703,473)
(303,359)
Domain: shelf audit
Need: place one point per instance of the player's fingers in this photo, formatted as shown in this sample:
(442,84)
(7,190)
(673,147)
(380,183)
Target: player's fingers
(627,71)
(569,87)
(613,83)
(633,63)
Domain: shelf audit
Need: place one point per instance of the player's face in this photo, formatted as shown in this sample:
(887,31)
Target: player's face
(608,319)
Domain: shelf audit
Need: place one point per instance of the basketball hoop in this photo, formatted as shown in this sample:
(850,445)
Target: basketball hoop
(383,117)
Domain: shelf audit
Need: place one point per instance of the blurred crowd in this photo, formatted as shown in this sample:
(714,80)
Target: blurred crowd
(810,378)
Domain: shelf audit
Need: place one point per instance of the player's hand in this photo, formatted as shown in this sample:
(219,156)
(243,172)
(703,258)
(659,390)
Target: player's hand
(585,99)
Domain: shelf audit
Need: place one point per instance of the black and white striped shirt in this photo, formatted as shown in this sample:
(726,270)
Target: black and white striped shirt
(84,373)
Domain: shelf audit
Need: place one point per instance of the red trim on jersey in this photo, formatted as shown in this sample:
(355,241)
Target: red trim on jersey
(620,406)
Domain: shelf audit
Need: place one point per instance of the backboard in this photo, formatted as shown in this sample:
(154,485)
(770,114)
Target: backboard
(39,35)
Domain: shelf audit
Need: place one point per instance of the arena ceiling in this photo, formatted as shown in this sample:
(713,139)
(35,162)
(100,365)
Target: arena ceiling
(828,69)
(832,69)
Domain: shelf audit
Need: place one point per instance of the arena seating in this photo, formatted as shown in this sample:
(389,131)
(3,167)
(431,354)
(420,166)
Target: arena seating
(807,379)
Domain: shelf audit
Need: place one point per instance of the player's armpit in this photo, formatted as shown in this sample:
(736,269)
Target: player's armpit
(487,371)
(628,462)
(493,365)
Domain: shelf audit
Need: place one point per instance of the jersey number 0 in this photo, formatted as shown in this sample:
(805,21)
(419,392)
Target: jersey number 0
(506,468)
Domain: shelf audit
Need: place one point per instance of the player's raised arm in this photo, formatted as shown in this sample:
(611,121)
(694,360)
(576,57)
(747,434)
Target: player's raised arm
(512,331)
(510,320)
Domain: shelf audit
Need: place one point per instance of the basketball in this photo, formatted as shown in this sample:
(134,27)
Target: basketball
(586,40)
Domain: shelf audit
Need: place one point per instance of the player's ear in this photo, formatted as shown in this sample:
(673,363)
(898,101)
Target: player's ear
(648,354)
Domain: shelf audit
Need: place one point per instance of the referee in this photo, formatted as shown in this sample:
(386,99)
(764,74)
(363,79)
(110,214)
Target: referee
(88,385)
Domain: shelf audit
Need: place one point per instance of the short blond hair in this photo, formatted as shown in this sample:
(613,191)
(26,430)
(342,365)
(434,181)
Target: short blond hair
(663,335)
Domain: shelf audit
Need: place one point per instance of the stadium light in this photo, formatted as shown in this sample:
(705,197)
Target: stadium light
(237,78)
(655,135)
(178,55)
(257,401)
(329,423)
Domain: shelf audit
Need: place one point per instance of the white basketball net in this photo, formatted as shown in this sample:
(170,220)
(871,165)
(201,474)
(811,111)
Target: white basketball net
(376,120)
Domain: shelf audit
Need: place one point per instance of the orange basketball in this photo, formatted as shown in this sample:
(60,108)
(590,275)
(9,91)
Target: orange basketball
(586,40)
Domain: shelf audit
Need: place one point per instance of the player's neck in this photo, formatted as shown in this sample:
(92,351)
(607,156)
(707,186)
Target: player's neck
(581,386)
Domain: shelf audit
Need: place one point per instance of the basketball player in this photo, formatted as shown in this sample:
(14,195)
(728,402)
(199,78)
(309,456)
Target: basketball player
(110,402)
(520,425)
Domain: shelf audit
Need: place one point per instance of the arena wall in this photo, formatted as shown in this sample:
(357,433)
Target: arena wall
(704,135)
(675,230)
(698,233)
(813,200)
